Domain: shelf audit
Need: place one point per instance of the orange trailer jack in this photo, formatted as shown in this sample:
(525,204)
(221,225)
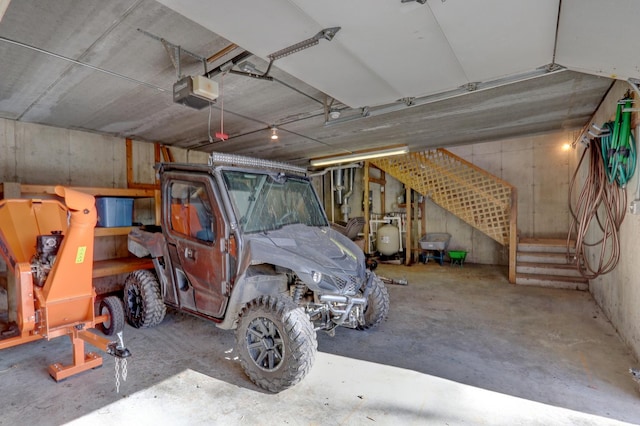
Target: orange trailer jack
(48,247)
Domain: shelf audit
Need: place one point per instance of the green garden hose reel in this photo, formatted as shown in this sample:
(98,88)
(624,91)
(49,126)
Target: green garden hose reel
(618,144)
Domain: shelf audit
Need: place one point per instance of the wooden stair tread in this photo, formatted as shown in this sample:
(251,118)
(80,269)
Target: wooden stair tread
(122,265)
(548,277)
(548,265)
(543,257)
(550,253)
(546,242)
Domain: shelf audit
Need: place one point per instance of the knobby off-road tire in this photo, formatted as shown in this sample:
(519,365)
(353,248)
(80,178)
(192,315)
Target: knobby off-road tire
(143,304)
(276,342)
(112,306)
(377,305)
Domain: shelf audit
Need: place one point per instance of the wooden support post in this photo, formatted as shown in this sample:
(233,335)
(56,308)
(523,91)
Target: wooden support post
(424,217)
(382,182)
(129,162)
(513,235)
(408,226)
(158,206)
(416,215)
(167,155)
(366,207)
(156,152)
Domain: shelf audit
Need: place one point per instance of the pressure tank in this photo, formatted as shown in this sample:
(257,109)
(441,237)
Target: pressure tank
(388,240)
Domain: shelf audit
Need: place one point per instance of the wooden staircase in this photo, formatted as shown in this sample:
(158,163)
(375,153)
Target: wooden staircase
(479,198)
(546,263)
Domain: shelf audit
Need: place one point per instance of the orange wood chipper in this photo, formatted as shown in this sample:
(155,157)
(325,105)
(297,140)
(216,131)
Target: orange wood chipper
(48,248)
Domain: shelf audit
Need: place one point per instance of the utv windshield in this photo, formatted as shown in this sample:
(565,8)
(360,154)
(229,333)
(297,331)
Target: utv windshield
(264,202)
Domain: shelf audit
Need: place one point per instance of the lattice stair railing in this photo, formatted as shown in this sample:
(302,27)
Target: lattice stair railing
(472,194)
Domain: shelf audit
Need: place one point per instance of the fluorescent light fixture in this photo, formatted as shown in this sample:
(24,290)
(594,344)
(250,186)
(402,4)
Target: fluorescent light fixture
(360,155)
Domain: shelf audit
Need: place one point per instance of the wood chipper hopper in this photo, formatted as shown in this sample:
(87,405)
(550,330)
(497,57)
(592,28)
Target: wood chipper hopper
(48,248)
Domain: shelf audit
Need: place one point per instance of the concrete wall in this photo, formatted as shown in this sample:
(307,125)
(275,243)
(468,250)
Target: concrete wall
(36,154)
(618,292)
(539,166)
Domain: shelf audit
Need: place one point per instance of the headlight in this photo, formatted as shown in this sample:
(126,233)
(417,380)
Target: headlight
(316,277)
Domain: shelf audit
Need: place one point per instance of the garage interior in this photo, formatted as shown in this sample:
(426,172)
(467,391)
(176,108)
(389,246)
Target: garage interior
(509,93)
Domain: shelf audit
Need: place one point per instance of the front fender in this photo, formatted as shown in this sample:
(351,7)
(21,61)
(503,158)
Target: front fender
(263,252)
(144,243)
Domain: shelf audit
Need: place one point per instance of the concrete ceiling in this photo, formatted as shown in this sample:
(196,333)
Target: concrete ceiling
(429,75)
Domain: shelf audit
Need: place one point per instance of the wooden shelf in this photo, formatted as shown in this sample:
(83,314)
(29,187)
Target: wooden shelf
(22,190)
(95,191)
(102,268)
(107,232)
(122,265)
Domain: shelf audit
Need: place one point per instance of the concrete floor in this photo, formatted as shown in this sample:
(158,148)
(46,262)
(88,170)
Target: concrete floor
(460,346)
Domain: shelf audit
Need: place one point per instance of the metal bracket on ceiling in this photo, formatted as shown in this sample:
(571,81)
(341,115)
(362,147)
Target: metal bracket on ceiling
(249,69)
(470,87)
(252,75)
(332,108)
(327,34)
(635,85)
(175,52)
(553,67)
(408,101)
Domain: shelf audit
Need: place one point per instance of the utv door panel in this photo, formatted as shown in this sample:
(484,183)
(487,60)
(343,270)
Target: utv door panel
(195,226)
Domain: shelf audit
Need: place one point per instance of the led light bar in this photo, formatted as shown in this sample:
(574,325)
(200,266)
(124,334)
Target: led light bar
(218,158)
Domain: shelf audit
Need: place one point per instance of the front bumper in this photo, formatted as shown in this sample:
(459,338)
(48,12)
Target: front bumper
(345,310)
(341,310)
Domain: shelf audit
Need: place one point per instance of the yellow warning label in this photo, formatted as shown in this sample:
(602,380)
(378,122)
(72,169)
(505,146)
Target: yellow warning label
(80,254)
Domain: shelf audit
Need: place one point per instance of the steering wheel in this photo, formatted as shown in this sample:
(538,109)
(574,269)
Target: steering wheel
(285,216)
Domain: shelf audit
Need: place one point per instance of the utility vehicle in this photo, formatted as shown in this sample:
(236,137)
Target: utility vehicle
(246,243)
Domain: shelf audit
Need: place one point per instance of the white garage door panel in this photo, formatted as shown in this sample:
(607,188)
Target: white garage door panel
(401,43)
(270,25)
(339,74)
(387,50)
(600,37)
(262,27)
(495,38)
